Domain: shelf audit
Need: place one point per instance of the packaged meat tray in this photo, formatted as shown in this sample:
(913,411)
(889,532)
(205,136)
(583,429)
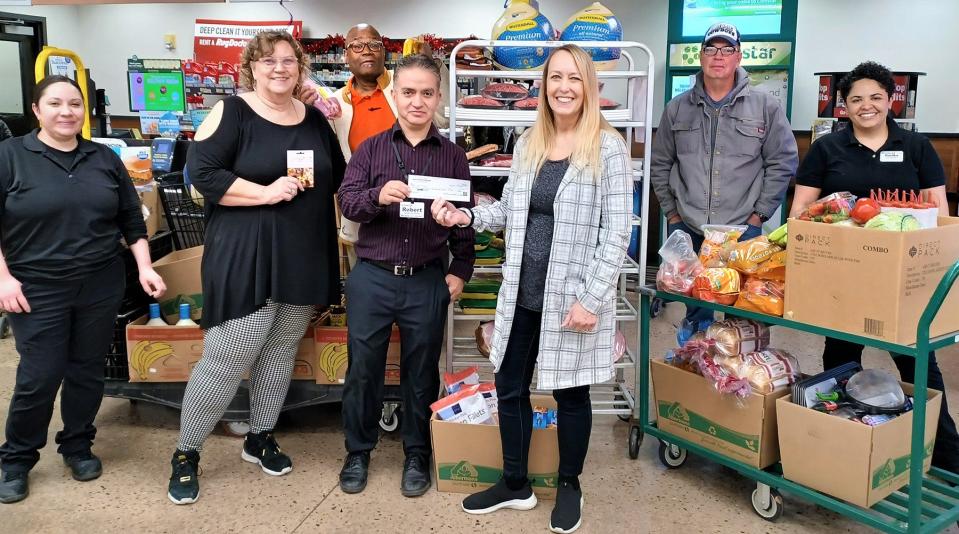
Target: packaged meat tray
(507,92)
(480,102)
(605,103)
(528,103)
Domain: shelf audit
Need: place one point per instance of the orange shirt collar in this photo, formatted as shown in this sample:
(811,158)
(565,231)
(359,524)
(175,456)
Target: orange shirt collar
(382,82)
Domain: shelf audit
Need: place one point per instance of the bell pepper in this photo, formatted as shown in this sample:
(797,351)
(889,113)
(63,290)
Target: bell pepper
(865,209)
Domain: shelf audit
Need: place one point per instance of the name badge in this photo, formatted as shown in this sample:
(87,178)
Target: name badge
(891,156)
(412,210)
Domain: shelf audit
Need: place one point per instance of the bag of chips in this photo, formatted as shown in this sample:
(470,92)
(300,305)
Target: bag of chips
(774,268)
(747,256)
(718,242)
(719,285)
(763,296)
(738,336)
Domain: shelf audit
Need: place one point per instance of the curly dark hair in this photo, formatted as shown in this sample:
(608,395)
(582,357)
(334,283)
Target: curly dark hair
(869,70)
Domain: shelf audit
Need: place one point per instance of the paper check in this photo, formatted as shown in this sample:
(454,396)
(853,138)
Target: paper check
(434,187)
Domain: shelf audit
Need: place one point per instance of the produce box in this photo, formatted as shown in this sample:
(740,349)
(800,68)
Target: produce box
(688,406)
(169,353)
(180,270)
(469,458)
(849,460)
(332,356)
(870,282)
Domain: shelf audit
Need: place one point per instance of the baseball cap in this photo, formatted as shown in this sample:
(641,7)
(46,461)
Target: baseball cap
(722,30)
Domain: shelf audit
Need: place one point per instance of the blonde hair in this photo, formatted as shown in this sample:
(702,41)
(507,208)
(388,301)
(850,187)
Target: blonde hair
(262,45)
(542,136)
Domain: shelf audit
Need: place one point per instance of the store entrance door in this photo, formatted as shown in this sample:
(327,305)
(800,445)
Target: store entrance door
(21,39)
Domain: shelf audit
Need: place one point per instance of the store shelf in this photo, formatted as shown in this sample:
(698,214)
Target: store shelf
(620,118)
(629,265)
(625,311)
(479,170)
(537,74)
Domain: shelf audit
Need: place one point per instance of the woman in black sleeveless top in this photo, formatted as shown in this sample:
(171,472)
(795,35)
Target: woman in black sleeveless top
(270,252)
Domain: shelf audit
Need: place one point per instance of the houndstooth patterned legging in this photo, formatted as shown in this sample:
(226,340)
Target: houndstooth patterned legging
(263,343)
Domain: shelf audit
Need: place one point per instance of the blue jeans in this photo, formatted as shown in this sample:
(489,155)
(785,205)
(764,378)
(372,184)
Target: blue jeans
(694,314)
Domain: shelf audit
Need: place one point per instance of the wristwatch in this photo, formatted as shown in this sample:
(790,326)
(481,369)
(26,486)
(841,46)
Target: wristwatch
(762,217)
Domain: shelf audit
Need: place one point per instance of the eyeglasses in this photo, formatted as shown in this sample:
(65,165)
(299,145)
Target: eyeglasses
(712,50)
(287,62)
(358,46)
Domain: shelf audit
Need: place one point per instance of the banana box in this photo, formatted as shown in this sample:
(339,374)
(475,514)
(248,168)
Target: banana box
(331,355)
(162,353)
(305,366)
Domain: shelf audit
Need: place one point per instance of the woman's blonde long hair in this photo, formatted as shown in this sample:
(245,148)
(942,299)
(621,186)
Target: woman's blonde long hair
(542,136)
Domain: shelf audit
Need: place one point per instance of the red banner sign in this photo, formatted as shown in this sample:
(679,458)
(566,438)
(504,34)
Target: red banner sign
(223,40)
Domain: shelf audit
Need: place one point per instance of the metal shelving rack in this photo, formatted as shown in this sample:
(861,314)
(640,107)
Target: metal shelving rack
(614,397)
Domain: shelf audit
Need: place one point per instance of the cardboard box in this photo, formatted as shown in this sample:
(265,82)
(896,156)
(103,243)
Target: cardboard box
(852,461)
(150,199)
(469,458)
(169,353)
(162,353)
(688,406)
(870,282)
(181,272)
(331,355)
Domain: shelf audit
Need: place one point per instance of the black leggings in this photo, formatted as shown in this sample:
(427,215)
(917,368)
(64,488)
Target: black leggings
(945,453)
(574,413)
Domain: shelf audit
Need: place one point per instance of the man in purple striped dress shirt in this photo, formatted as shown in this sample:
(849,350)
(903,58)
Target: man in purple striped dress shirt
(401,276)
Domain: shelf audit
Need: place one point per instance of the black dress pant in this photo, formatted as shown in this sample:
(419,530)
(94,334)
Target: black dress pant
(376,299)
(945,453)
(62,341)
(574,412)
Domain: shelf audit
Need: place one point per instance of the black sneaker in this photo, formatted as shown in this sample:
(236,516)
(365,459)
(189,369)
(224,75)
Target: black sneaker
(499,496)
(84,466)
(416,476)
(568,511)
(184,485)
(262,449)
(355,471)
(14,487)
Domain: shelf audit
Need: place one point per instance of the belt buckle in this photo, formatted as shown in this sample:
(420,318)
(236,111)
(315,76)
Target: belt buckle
(402,270)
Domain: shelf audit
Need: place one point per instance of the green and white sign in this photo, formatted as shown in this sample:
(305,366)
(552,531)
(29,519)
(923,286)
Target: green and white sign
(755,54)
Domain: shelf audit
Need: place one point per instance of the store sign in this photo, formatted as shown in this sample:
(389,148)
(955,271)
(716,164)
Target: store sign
(223,40)
(755,54)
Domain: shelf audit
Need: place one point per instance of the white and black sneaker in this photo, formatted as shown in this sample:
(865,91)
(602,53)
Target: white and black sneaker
(184,487)
(499,496)
(567,513)
(262,449)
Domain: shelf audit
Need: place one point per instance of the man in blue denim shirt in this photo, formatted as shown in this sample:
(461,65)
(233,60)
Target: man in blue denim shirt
(723,153)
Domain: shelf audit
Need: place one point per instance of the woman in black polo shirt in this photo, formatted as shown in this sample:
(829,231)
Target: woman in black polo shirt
(875,153)
(64,202)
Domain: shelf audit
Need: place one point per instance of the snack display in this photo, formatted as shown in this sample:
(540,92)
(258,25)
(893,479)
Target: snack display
(746,256)
(680,264)
(719,285)
(738,336)
(763,296)
(718,242)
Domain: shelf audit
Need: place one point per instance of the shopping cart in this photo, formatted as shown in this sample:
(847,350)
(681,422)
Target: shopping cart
(183,209)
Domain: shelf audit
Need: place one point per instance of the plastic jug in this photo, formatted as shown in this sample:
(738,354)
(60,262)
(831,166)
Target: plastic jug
(521,21)
(595,23)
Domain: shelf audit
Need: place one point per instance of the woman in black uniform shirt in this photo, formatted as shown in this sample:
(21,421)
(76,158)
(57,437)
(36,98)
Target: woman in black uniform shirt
(874,153)
(270,251)
(64,201)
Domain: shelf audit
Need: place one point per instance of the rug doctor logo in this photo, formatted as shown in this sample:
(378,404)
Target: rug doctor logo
(927,249)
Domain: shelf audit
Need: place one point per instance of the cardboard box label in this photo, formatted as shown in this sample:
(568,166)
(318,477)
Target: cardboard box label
(895,467)
(675,412)
(464,471)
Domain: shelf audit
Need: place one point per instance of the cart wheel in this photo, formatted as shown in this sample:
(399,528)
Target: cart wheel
(625,418)
(635,440)
(656,307)
(390,420)
(672,456)
(237,429)
(774,510)
(4,327)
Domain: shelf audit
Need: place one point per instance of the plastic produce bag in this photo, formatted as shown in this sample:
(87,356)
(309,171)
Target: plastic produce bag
(738,336)
(893,221)
(595,22)
(719,285)
(746,256)
(718,242)
(521,21)
(763,296)
(680,264)
(769,369)
(687,357)
(830,209)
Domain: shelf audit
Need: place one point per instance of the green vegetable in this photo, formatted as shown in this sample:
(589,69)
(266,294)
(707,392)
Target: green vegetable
(893,221)
(778,236)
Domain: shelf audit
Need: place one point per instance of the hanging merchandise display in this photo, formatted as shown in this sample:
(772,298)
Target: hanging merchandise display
(521,21)
(595,23)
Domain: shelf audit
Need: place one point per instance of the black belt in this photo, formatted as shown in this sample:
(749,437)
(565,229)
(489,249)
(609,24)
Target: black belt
(402,270)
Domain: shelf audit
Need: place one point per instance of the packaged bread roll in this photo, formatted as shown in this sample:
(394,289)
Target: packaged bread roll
(738,336)
(769,369)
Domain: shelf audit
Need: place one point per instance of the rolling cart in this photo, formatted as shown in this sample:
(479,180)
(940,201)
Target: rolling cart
(928,503)
(184,215)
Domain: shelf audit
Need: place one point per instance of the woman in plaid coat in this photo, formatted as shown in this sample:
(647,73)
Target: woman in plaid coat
(566,210)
